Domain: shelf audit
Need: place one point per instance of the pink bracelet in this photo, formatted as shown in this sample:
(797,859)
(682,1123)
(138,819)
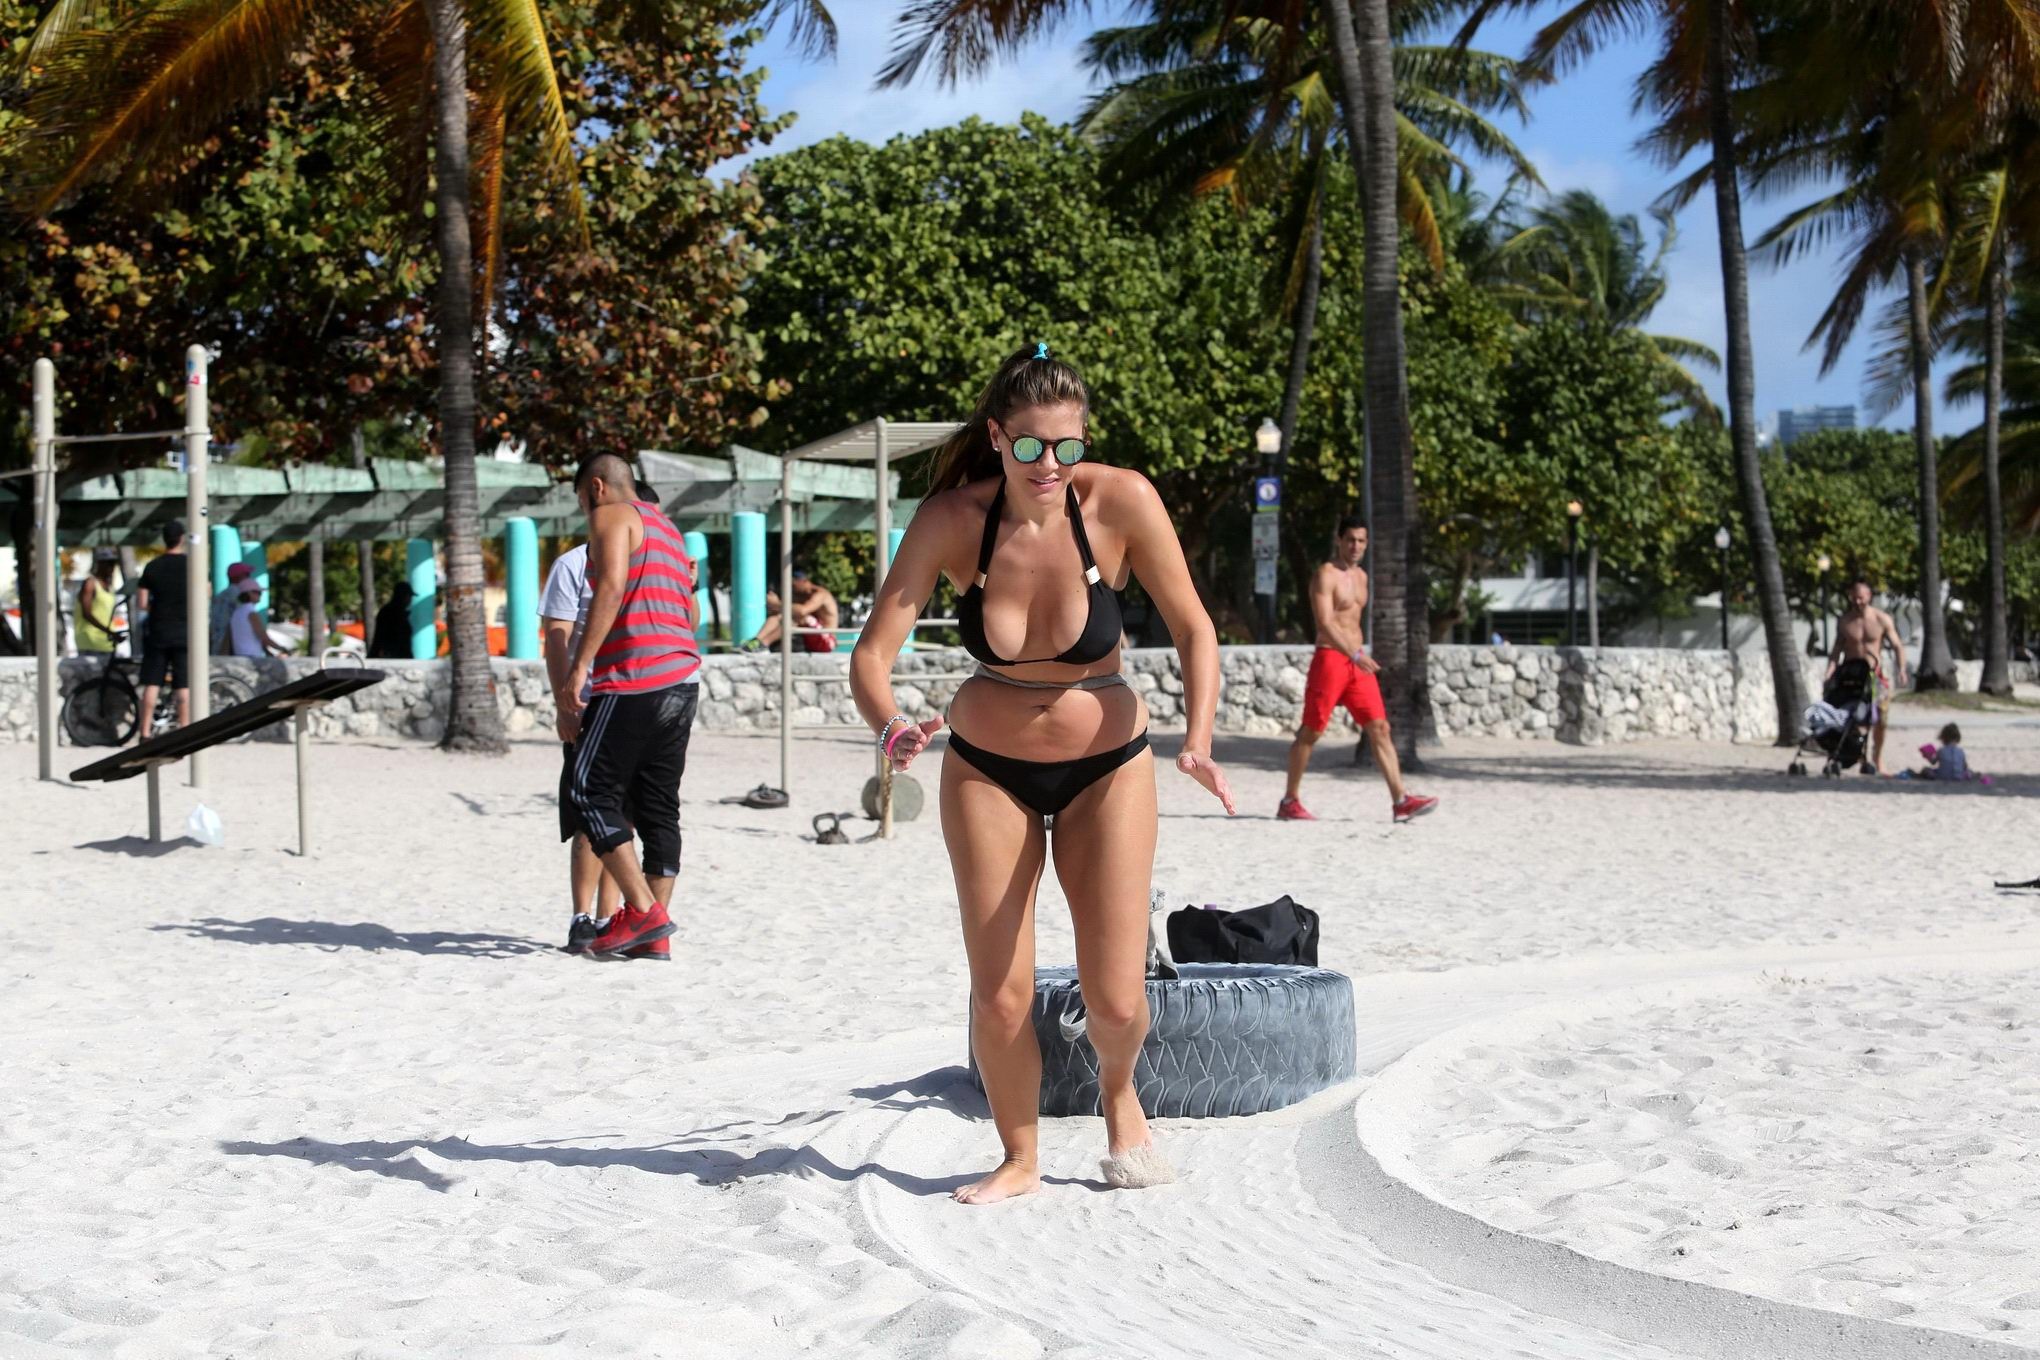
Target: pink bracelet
(893,738)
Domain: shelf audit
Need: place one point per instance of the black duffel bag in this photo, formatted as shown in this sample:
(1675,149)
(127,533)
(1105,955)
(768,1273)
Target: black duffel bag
(1280,932)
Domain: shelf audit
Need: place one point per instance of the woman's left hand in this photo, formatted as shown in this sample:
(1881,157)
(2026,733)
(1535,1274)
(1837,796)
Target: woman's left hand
(1201,767)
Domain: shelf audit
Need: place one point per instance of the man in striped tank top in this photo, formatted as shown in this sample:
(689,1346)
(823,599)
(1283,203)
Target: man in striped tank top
(639,659)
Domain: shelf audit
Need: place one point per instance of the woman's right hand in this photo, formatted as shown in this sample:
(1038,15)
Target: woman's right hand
(911,740)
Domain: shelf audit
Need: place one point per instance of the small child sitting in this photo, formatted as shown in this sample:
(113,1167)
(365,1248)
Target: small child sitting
(1946,763)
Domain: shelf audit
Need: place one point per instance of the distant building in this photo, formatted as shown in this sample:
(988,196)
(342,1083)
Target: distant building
(1807,419)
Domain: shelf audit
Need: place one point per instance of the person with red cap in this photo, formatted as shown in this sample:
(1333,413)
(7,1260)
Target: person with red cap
(220,619)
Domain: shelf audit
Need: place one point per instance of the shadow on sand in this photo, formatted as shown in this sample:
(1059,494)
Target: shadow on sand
(332,935)
(697,1153)
(1531,762)
(141,847)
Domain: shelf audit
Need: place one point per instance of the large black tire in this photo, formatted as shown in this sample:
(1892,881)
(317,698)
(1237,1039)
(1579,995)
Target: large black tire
(1226,1039)
(101,712)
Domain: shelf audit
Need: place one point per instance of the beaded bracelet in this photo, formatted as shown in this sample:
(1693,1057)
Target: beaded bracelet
(886,731)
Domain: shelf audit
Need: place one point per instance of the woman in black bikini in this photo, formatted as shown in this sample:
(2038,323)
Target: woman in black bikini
(1049,750)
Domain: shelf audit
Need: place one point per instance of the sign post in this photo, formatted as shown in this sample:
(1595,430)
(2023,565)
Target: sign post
(1267,547)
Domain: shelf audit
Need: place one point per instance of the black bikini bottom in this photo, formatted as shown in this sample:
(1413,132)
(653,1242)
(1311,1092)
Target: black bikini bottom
(1046,786)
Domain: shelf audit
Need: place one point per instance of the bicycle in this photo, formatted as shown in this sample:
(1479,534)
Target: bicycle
(106,710)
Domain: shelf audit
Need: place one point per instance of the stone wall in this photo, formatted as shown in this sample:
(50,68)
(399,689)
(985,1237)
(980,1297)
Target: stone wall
(1536,693)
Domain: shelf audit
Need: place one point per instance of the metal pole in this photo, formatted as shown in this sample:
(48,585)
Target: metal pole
(786,625)
(881,514)
(1572,575)
(1724,599)
(1823,616)
(155,803)
(300,729)
(43,426)
(197,547)
(1268,466)
(316,643)
(364,559)
(881,520)
(1594,594)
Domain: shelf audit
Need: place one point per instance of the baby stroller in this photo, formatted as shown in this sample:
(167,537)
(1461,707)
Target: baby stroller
(1838,727)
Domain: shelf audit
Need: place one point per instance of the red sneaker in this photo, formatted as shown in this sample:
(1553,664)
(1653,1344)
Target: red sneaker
(1292,810)
(632,927)
(1412,805)
(659,951)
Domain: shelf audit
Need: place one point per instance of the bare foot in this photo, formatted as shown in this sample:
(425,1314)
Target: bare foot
(1010,1179)
(1126,1125)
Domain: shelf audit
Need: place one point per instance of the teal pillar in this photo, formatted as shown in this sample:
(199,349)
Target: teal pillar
(422,570)
(697,549)
(256,557)
(226,550)
(520,570)
(747,574)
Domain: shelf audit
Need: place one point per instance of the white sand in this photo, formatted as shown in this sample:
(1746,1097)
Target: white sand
(1848,1139)
(358,1106)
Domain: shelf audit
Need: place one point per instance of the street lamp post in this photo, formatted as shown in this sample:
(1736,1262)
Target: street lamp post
(1573,511)
(1824,563)
(1267,522)
(1721,542)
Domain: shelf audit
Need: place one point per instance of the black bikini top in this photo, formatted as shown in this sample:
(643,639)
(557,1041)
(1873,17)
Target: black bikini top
(1101,630)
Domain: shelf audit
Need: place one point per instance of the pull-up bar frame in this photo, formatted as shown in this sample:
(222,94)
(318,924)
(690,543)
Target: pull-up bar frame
(197,549)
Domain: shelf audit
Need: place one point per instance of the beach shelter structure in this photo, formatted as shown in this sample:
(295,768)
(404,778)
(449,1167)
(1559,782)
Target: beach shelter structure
(818,487)
(880,443)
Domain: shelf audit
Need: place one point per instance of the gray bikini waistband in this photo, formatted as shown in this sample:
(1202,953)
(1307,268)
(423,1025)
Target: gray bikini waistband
(1081,682)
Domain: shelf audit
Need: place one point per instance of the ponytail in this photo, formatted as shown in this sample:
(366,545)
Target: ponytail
(1029,377)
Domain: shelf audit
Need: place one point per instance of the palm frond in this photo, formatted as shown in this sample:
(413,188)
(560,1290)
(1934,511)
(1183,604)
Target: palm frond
(158,79)
(962,37)
(511,40)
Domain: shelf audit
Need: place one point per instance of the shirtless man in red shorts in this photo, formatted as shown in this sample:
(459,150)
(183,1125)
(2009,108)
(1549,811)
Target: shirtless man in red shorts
(1341,672)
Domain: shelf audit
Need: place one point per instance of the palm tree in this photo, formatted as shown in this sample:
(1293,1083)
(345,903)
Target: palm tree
(2019,420)
(1996,210)
(1895,235)
(1206,102)
(959,37)
(1922,144)
(1574,257)
(1706,48)
(116,88)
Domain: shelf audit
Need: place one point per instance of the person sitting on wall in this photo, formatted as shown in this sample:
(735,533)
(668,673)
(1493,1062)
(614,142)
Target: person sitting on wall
(813,607)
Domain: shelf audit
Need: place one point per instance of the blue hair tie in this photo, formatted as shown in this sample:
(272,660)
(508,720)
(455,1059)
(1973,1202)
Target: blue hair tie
(1041,349)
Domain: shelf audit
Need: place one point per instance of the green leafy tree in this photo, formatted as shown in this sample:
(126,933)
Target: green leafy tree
(899,275)
(1706,53)
(113,91)
(962,36)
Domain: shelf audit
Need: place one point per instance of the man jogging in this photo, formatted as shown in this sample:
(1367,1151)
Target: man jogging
(165,594)
(1862,635)
(638,658)
(1341,672)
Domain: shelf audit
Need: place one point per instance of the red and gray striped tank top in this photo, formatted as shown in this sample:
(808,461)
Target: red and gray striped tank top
(651,645)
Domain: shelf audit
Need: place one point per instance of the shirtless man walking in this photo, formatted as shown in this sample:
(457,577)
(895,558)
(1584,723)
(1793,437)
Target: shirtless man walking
(1861,636)
(1341,672)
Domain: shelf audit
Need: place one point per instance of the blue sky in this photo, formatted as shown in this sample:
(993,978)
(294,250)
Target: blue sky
(1581,134)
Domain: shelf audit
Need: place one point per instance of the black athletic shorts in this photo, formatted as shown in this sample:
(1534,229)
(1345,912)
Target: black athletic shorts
(570,821)
(624,771)
(157,662)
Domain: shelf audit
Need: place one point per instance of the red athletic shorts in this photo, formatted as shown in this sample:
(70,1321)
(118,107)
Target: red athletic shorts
(1335,680)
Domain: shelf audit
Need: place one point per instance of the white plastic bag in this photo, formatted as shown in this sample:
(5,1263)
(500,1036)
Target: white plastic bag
(205,827)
